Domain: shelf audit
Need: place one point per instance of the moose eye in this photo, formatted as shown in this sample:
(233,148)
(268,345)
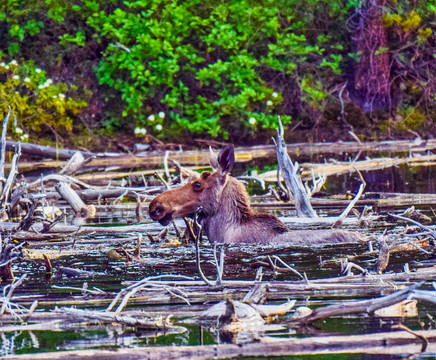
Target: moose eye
(196,186)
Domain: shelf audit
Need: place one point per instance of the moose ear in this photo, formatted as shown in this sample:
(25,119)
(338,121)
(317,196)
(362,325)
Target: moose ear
(226,159)
(213,159)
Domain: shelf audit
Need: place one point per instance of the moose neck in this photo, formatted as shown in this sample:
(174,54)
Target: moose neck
(233,220)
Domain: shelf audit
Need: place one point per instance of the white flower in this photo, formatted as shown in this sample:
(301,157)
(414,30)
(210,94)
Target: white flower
(2,64)
(38,70)
(49,81)
(16,77)
(269,103)
(151,117)
(13,62)
(252,120)
(161,114)
(6,67)
(24,137)
(274,94)
(140,131)
(18,130)
(41,86)
(62,96)
(26,79)
(158,127)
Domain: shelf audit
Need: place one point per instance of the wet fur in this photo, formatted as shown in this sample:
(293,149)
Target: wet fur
(229,217)
(236,222)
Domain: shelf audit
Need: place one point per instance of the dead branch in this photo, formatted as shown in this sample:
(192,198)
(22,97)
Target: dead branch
(365,306)
(351,204)
(147,323)
(290,173)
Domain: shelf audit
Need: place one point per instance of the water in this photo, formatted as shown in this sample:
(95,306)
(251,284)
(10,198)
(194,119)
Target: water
(240,264)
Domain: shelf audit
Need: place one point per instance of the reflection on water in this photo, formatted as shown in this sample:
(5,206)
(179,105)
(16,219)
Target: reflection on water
(241,263)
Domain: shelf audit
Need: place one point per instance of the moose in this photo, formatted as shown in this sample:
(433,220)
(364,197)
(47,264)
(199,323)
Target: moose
(228,217)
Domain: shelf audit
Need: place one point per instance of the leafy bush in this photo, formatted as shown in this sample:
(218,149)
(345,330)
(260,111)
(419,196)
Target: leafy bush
(204,64)
(34,99)
(223,68)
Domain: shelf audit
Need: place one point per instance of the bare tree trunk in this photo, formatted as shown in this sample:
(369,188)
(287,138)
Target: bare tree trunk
(371,85)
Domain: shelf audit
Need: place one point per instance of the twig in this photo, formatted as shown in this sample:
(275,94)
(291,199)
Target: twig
(165,162)
(147,281)
(162,180)
(288,267)
(352,203)
(7,299)
(430,231)
(197,248)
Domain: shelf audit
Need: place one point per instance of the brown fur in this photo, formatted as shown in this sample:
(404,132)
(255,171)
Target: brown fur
(230,218)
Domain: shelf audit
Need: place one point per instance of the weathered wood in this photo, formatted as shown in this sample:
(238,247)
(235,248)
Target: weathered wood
(74,164)
(105,316)
(3,149)
(70,196)
(11,178)
(58,229)
(44,151)
(342,167)
(364,306)
(291,175)
(198,157)
(398,342)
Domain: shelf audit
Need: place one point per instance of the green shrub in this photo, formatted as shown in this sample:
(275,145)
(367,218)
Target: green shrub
(34,99)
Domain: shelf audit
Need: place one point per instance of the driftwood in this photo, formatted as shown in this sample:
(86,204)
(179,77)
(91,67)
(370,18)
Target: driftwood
(44,151)
(340,167)
(365,306)
(398,342)
(73,199)
(105,316)
(153,158)
(290,173)
(75,163)
(3,149)
(189,297)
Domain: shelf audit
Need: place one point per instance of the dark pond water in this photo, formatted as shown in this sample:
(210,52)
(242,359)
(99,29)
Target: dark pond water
(240,264)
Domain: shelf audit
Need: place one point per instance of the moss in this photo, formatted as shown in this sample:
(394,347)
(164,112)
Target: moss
(409,118)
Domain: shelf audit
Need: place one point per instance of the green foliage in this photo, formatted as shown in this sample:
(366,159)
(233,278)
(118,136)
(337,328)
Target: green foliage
(202,63)
(312,91)
(220,68)
(34,99)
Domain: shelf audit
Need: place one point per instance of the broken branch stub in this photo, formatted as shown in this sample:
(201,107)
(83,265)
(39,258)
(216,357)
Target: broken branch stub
(74,164)
(290,173)
(71,197)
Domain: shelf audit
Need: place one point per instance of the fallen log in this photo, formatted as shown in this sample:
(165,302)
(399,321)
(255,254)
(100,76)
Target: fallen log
(398,342)
(242,153)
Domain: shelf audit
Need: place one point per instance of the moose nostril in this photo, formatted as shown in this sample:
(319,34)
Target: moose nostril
(157,210)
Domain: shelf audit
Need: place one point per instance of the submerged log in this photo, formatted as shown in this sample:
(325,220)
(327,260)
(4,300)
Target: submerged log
(398,342)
